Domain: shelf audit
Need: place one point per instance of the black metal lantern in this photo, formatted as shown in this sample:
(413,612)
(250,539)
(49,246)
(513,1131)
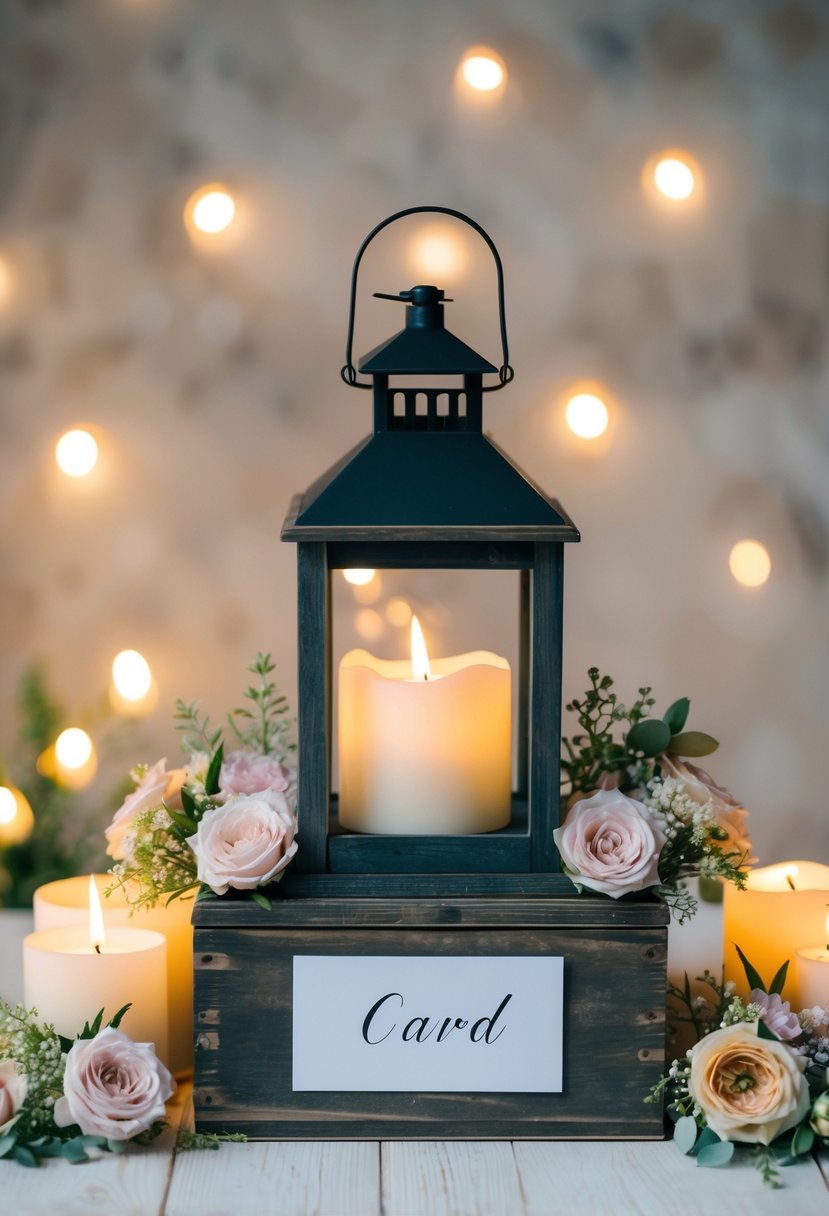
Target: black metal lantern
(428,490)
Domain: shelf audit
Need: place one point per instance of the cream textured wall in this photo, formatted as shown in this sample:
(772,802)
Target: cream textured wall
(212,373)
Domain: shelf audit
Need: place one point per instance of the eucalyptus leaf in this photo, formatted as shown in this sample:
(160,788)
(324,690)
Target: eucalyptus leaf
(706,1137)
(803,1140)
(24,1156)
(74,1152)
(7,1143)
(676,715)
(752,975)
(650,736)
(715,1155)
(692,743)
(685,1134)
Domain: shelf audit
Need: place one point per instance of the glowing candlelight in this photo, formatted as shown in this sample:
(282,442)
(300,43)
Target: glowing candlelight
(749,562)
(587,415)
(97,933)
(420,656)
(210,209)
(76,453)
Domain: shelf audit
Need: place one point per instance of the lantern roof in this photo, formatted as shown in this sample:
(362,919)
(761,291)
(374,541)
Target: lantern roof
(425,346)
(408,485)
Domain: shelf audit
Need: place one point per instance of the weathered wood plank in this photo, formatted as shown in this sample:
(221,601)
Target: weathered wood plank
(500,853)
(545,704)
(484,909)
(470,1178)
(132,1183)
(650,1179)
(440,555)
(613,994)
(278,1179)
(313,706)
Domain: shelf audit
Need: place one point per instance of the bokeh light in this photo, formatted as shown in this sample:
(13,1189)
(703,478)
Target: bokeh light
(73,748)
(210,209)
(674,177)
(76,453)
(5,281)
(131,675)
(369,624)
(483,70)
(750,563)
(358,578)
(398,612)
(439,253)
(16,817)
(587,415)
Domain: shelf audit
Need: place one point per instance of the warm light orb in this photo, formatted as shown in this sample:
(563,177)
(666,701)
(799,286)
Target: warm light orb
(483,70)
(76,453)
(359,578)
(674,178)
(5,281)
(750,563)
(210,209)
(398,612)
(16,818)
(369,624)
(131,675)
(436,251)
(421,669)
(587,415)
(73,748)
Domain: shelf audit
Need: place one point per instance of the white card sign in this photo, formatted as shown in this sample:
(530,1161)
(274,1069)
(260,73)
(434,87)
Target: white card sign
(428,1024)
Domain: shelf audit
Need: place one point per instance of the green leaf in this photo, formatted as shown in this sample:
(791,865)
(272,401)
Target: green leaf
(715,1155)
(188,802)
(7,1143)
(753,976)
(115,1021)
(24,1156)
(205,892)
(65,1044)
(262,900)
(74,1151)
(211,783)
(692,743)
(779,981)
(763,1032)
(88,1031)
(803,1140)
(676,715)
(187,825)
(650,736)
(706,1137)
(685,1134)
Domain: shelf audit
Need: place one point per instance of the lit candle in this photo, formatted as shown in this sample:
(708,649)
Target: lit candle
(813,973)
(62,903)
(768,921)
(71,972)
(424,747)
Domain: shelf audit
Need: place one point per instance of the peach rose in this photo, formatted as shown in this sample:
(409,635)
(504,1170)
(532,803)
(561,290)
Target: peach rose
(245,772)
(155,787)
(749,1089)
(611,843)
(13,1090)
(700,788)
(113,1087)
(246,842)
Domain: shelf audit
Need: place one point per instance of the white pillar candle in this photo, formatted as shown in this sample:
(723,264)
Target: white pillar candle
(813,976)
(66,902)
(778,911)
(68,981)
(424,748)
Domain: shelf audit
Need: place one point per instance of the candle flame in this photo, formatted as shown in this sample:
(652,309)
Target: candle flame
(420,657)
(97,935)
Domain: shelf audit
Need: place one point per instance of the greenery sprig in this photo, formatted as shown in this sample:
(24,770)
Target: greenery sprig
(266,727)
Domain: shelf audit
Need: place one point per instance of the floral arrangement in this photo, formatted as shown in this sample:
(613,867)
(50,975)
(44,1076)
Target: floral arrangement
(64,1098)
(219,821)
(757,1074)
(639,814)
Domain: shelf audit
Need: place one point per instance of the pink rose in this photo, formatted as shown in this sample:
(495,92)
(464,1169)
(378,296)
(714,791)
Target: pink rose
(155,787)
(113,1087)
(246,772)
(700,788)
(611,843)
(777,1014)
(246,842)
(13,1090)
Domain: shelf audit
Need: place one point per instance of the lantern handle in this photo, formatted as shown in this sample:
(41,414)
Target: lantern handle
(349,372)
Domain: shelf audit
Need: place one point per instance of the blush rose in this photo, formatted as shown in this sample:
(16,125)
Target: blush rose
(246,772)
(749,1089)
(701,788)
(13,1090)
(113,1087)
(611,843)
(156,786)
(246,842)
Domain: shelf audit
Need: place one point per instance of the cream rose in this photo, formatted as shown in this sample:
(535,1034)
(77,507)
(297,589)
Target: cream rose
(156,786)
(245,772)
(611,843)
(749,1089)
(246,842)
(113,1087)
(701,788)
(13,1090)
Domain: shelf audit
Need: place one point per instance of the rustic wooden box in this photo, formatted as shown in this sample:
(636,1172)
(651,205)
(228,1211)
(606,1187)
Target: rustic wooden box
(614,1008)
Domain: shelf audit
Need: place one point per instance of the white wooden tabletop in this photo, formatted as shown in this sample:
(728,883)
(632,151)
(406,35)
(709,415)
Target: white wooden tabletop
(332,1178)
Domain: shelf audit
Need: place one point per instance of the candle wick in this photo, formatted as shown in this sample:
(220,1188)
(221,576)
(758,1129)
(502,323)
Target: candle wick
(97,948)
(425,677)
(790,881)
